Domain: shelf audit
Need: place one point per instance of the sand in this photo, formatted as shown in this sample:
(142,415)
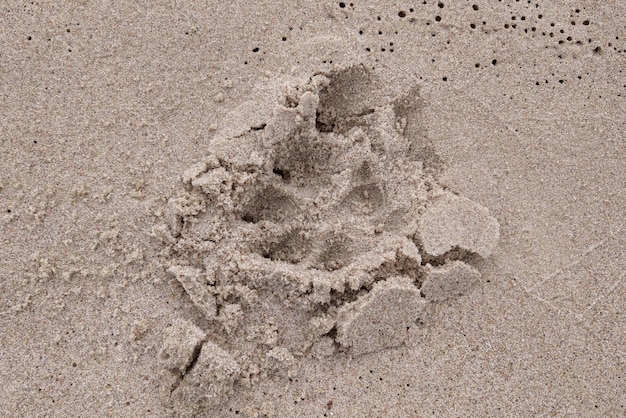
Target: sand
(335,209)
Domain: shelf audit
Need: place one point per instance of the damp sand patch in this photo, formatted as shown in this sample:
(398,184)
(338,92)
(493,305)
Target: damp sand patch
(314,226)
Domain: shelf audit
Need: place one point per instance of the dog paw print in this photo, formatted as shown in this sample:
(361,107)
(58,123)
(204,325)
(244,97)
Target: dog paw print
(327,211)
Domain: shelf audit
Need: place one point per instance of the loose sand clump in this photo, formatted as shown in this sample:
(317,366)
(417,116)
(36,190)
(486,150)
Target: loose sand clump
(314,226)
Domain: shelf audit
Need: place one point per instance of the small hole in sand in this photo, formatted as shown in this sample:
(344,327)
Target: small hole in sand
(284,174)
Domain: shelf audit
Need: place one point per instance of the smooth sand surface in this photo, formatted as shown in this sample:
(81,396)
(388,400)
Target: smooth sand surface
(445,237)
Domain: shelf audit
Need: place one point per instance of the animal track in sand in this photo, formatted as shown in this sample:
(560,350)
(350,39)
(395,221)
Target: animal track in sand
(314,226)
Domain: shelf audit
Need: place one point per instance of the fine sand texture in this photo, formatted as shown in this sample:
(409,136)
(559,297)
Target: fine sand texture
(313,209)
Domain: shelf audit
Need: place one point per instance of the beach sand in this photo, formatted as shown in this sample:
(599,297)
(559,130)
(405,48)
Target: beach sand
(313,209)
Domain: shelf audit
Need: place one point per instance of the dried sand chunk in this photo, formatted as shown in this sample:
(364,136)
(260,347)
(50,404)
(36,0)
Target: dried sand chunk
(194,171)
(214,182)
(208,383)
(181,345)
(454,221)
(381,318)
(451,279)
(194,282)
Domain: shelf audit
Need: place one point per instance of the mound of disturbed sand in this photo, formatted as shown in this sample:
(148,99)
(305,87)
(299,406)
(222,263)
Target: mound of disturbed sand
(316,225)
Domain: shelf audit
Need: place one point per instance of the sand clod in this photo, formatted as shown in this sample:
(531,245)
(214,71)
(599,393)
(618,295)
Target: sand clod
(455,221)
(452,279)
(382,318)
(209,382)
(182,342)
